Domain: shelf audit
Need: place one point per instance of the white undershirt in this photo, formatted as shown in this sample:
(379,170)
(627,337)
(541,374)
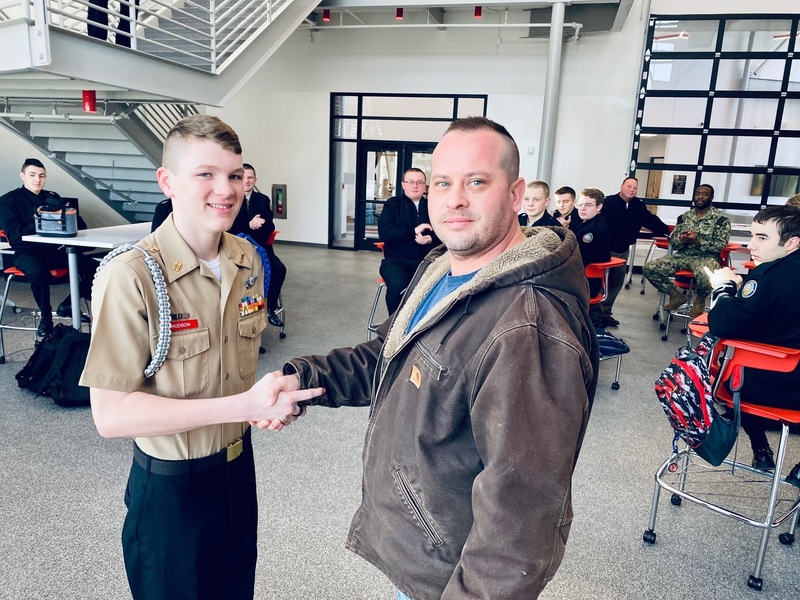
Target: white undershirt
(214,266)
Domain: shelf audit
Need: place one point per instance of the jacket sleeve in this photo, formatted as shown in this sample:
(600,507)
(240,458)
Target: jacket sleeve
(13,223)
(733,316)
(345,373)
(390,227)
(528,421)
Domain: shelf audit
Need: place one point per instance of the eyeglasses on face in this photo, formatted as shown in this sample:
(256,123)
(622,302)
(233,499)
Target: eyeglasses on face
(414,182)
(586,205)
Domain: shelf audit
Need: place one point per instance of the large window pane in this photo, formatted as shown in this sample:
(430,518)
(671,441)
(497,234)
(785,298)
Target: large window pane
(737,151)
(343,194)
(421,131)
(788,154)
(674,112)
(754,113)
(679,75)
(791,118)
(389,106)
(345,128)
(345,106)
(682,149)
(755,35)
(683,36)
(471,107)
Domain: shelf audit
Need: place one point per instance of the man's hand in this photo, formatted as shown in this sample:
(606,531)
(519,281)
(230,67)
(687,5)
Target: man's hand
(421,234)
(689,238)
(256,222)
(722,276)
(565,220)
(281,394)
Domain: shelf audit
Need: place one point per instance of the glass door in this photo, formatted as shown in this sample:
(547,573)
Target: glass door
(380,167)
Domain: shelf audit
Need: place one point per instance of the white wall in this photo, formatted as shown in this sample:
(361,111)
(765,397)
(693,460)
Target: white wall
(282,114)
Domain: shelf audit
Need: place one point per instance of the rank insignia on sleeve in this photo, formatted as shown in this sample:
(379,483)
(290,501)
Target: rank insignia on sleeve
(749,288)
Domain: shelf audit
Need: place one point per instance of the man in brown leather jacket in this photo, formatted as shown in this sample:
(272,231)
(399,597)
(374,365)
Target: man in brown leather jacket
(473,432)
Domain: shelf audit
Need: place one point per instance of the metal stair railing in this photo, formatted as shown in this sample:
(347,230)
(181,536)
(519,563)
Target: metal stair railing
(160,118)
(202,33)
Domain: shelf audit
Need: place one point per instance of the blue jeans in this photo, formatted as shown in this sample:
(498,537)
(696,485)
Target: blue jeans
(402,596)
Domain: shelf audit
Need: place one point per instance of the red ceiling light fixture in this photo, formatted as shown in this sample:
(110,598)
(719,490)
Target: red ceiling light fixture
(326,14)
(89,101)
(398,14)
(478,12)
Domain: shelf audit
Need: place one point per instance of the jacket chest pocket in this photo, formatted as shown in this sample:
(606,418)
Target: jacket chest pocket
(430,361)
(185,372)
(250,329)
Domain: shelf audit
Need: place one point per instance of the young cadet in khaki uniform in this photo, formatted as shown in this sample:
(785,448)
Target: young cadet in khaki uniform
(190,531)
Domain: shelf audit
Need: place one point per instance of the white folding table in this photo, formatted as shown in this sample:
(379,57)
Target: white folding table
(106,238)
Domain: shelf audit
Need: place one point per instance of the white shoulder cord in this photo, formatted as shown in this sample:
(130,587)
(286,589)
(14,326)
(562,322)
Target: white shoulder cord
(164,331)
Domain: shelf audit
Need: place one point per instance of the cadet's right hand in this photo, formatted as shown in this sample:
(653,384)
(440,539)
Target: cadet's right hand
(281,394)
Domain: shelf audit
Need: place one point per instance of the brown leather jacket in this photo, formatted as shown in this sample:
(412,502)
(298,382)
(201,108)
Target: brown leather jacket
(476,420)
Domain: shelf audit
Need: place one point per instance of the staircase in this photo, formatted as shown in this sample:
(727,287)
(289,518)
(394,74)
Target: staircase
(114,156)
(186,53)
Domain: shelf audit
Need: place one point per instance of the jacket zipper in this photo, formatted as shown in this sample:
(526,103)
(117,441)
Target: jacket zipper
(419,513)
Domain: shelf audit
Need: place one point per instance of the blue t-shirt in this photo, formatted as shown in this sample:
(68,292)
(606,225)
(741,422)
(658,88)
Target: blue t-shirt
(443,287)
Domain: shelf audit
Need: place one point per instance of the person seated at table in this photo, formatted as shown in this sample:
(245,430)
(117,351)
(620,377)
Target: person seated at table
(565,207)
(36,260)
(594,243)
(255,218)
(534,206)
(763,308)
(697,240)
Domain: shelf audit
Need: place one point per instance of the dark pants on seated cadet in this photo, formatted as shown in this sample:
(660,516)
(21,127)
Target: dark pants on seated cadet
(397,273)
(37,263)
(211,558)
(277,275)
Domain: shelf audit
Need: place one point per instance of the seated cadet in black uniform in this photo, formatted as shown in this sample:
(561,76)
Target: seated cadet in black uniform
(17,218)
(534,206)
(191,526)
(594,242)
(255,218)
(763,308)
(565,212)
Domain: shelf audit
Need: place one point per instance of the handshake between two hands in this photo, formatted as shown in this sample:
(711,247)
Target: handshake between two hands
(279,401)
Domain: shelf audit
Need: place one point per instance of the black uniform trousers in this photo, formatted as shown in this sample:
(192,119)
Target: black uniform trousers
(37,263)
(192,536)
(277,275)
(397,273)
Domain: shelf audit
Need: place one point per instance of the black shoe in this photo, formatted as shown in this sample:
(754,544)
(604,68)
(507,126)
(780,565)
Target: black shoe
(45,328)
(273,318)
(262,350)
(65,312)
(793,478)
(763,460)
(610,322)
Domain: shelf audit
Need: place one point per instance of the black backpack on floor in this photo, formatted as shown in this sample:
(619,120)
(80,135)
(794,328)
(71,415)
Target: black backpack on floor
(56,365)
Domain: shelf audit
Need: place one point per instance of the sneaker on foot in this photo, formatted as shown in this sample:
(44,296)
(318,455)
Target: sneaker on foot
(763,460)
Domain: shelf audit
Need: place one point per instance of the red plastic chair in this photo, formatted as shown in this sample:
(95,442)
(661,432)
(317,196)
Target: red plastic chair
(693,482)
(372,326)
(600,270)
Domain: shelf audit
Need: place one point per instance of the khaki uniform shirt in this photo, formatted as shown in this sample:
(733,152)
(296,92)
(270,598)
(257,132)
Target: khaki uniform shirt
(213,350)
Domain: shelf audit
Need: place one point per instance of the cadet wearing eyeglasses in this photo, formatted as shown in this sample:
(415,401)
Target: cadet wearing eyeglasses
(405,229)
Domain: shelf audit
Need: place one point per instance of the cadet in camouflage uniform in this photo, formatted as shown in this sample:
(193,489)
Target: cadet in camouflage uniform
(696,241)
